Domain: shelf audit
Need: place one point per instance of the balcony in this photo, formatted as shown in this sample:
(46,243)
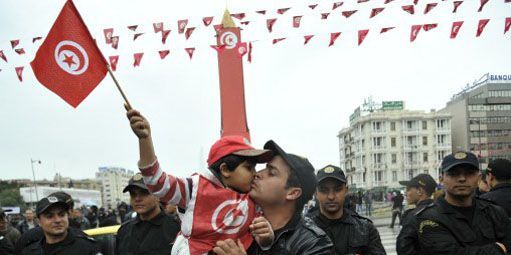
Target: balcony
(379,166)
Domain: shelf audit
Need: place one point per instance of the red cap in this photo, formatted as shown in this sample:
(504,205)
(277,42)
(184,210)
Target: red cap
(236,145)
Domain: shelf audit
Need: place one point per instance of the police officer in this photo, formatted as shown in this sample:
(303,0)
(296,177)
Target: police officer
(152,231)
(498,175)
(460,223)
(52,213)
(350,232)
(418,192)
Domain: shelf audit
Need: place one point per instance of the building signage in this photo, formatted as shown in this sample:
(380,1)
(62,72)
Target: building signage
(500,77)
(392,105)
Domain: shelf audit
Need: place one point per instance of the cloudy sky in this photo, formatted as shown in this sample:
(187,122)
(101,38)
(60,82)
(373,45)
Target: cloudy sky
(300,96)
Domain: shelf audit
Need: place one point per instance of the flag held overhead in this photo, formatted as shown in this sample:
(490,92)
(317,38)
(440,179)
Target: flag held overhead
(69,62)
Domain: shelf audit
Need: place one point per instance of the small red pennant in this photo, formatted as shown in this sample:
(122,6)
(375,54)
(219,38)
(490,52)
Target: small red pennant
(218,27)
(480,27)
(313,6)
(375,12)
(189,32)
(307,38)
(263,12)
(415,31)
(325,15)
(138,59)
(429,7)
(14,43)
(278,40)
(348,14)
(282,10)
(190,52)
(108,32)
(388,1)
(36,38)
(428,27)
(158,27)
(113,62)
(163,53)
(2,55)
(362,35)
(456,26)
(19,72)
(386,29)
(239,16)
(337,5)
(164,35)
(483,3)
(20,51)
(456,5)
(137,35)
(362,1)
(408,8)
(133,28)
(245,23)
(507,25)
(115,42)
(242,49)
(333,37)
(219,48)
(270,23)
(296,21)
(207,20)
(250,52)
(181,24)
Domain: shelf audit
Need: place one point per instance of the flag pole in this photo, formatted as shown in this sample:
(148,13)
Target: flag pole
(118,86)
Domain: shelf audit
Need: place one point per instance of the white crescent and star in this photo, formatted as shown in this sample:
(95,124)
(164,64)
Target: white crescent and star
(71,57)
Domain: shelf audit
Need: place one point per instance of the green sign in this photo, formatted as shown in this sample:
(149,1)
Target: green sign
(355,114)
(392,105)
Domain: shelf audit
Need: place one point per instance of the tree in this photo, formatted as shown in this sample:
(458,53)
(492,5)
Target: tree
(11,197)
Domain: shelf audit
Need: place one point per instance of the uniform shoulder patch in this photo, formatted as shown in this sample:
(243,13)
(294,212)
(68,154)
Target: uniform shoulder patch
(427,223)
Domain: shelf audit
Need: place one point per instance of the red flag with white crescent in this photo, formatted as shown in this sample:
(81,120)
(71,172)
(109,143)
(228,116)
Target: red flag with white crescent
(333,37)
(307,38)
(386,29)
(115,42)
(408,8)
(189,32)
(362,35)
(190,52)
(163,53)
(507,25)
(2,55)
(296,21)
(415,31)
(270,23)
(480,27)
(137,59)
(429,7)
(207,20)
(242,49)
(158,27)
(69,62)
(181,24)
(375,11)
(19,72)
(14,43)
(337,5)
(164,35)
(483,3)
(348,14)
(113,62)
(108,32)
(282,10)
(456,5)
(456,26)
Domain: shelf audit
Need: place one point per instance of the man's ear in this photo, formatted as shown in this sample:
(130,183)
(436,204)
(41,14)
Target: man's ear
(224,170)
(441,179)
(293,193)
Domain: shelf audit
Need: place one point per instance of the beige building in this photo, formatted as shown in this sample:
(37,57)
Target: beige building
(482,118)
(113,180)
(387,144)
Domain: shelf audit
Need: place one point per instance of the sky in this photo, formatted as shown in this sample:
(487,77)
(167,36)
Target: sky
(300,96)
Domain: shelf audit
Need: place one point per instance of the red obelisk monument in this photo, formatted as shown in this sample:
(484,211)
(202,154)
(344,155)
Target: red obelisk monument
(230,69)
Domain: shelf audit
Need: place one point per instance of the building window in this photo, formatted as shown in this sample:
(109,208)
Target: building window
(393,142)
(393,126)
(441,139)
(424,125)
(377,142)
(394,158)
(364,177)
(378,176)
(441,124)
(409,124)
(425,140)
(425,157)
(394,176)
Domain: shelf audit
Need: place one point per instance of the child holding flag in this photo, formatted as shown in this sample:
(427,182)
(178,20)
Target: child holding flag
(213,205)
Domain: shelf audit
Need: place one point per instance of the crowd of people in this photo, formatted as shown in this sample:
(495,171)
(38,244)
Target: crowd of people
(232,209)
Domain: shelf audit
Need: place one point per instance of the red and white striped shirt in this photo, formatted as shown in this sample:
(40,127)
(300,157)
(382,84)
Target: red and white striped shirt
(209,212)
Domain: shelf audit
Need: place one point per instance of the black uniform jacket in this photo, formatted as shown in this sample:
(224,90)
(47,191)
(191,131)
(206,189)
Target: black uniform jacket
(75,243)
(155,236)
(300,236)
(351,234)
(443,230)
(500,195)
(408,241)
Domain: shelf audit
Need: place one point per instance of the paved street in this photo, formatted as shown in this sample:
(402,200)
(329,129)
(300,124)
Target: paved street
(388,238)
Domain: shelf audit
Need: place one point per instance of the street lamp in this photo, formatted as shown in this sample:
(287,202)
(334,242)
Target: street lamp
(32,161)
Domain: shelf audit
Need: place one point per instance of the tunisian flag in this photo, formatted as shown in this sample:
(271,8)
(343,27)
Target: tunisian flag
(69,62)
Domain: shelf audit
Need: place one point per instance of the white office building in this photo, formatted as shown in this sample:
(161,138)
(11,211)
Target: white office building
(113,181)
(385,144)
